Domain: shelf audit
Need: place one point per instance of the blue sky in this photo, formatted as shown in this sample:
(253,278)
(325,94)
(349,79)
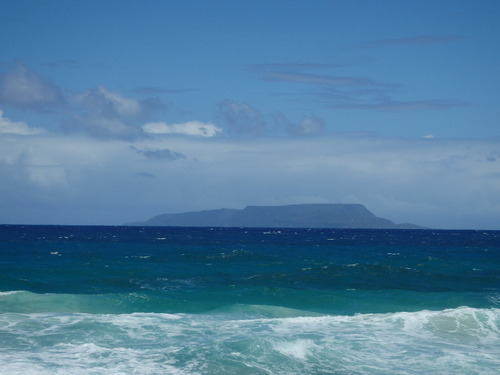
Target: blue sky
(115,111)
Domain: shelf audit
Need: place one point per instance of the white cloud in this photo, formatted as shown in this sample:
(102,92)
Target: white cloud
(192,128)
(109,103)
(309,125)
(20,128)
(106,114)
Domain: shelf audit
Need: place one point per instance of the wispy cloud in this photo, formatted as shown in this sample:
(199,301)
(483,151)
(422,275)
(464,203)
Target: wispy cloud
(107,114)
(159,90)
(307,126)
(351,92)
(291,66)
(109,103)
(301,73)
(242,118)
(388,104)
(320,80)
(191,128)
(65,63)
(23,88)
(159,153)
(410,41)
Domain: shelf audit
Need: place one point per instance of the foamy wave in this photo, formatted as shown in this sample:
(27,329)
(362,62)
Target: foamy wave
(12,292)
(461,340)
(298,349)
(88,358)
(463,323)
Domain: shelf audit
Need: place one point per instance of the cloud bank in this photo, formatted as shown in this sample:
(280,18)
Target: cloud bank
(81,180)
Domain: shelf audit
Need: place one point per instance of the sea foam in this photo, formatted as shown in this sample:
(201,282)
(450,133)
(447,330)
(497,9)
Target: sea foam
(147,343)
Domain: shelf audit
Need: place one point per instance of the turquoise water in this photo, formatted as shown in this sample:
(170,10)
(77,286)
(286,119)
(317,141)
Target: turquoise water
(133,300)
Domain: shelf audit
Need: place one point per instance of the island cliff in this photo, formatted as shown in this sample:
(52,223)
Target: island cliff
(289,216)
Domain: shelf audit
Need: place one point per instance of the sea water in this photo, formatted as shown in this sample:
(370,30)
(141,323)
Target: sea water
(151,300)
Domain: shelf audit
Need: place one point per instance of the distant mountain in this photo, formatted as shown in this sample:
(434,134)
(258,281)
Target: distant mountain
(290,216)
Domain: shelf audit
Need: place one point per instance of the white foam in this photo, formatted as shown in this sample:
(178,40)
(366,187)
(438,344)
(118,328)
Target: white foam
(299,349)
(462,340)
(88,358)
(12,292)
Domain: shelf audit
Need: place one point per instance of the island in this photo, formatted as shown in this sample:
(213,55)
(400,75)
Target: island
(336,215)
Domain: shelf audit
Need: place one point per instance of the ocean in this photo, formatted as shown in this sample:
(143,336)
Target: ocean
(165,300)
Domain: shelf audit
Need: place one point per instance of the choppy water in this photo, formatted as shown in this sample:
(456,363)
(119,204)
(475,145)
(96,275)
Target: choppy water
(131,300)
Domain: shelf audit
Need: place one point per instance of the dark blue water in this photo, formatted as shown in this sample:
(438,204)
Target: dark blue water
(134,300)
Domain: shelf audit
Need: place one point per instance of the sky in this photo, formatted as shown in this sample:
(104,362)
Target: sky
(116,111)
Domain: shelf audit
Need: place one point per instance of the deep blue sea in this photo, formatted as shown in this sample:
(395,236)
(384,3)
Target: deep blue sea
(152,300)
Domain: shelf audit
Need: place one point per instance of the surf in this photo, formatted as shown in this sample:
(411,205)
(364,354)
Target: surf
(457,340)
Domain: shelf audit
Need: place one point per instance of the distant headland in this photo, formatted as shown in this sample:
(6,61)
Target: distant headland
(289,216)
